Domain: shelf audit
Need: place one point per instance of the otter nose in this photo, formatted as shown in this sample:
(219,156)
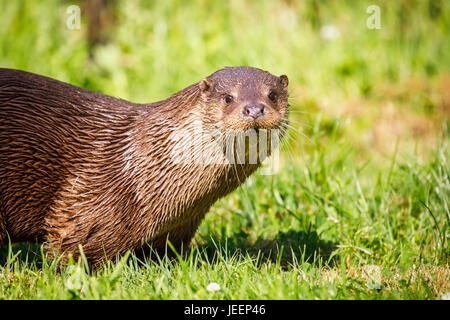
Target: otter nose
(253,110)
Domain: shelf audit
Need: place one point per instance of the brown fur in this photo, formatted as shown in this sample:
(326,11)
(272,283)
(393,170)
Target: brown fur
(79,167)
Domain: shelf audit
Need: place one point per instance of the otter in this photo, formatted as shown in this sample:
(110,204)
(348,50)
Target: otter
(83,168)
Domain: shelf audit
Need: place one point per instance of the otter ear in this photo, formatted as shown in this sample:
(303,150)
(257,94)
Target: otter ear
(205,86)
(284,81)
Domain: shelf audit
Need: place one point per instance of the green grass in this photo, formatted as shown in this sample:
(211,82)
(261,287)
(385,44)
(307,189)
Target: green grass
(360,206)
(315,236)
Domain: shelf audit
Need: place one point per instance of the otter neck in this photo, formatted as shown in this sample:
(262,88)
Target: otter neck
(169,172)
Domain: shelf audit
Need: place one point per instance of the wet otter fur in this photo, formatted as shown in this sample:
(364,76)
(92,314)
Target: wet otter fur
(80,167)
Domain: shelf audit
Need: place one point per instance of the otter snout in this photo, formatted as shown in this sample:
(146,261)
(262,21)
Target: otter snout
(254,110)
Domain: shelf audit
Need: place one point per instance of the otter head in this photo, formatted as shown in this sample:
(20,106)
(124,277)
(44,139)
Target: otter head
(243,98)
(248,105)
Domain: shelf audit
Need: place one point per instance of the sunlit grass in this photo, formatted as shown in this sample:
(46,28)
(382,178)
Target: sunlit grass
(360,206)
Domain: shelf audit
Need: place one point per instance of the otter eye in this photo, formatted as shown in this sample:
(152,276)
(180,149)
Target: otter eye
(228,98)
(272,96)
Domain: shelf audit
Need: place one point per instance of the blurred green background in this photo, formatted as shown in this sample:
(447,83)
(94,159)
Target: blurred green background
(372,86)
(364,172)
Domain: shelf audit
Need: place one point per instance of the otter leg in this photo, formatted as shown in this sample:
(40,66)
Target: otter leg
(96,248)
(179,237)
(3,235)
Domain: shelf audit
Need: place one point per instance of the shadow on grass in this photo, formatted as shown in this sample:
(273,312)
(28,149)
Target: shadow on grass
(285,248)
(26,252)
